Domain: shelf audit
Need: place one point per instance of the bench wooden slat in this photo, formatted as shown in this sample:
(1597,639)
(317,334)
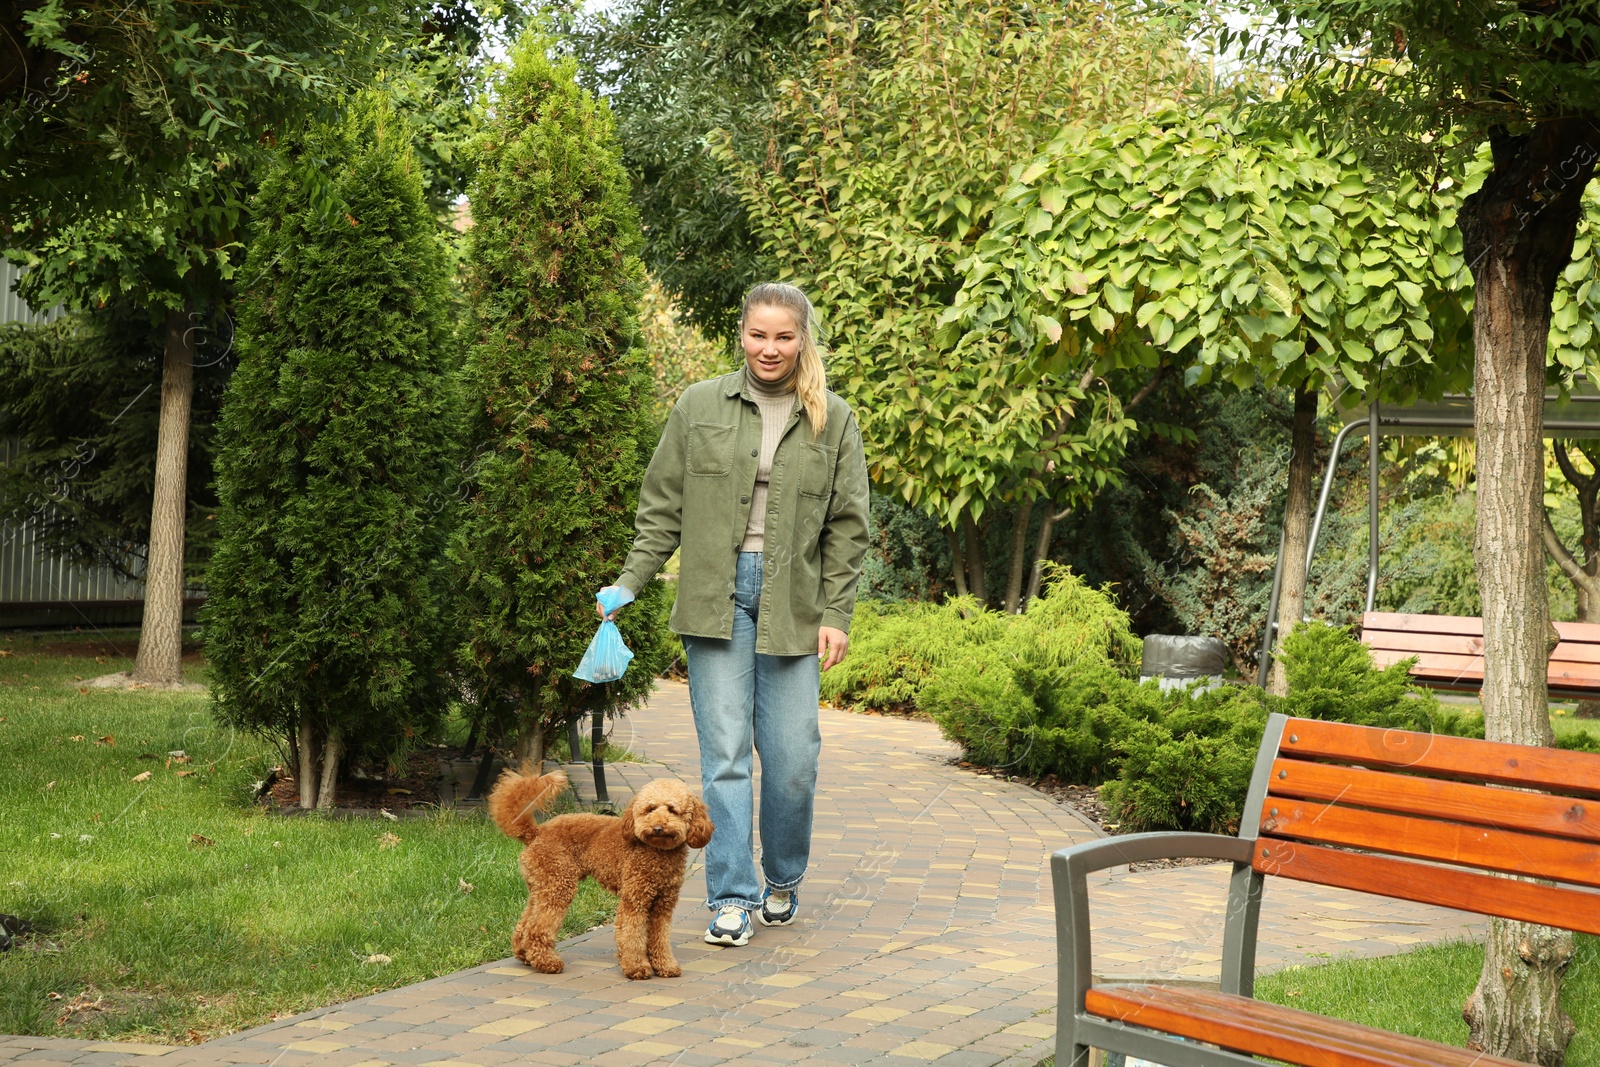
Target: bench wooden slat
(1584,632)
(1569,773)
(1409,643)
(1252,1026)
(1506,851)
(1456,650)
(1482,805)
(1424,624)
(1484,894)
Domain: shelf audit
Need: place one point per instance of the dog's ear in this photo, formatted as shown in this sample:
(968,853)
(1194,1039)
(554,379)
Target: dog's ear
(626,828)
(700,826)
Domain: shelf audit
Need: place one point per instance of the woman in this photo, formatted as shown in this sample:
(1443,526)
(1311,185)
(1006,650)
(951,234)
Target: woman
(761,482)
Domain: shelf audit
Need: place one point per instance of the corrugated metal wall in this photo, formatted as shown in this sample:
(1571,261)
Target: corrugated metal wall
(12,307)
(37,588)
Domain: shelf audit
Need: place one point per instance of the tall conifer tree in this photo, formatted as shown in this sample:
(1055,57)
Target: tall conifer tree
(563,426)
(337,439)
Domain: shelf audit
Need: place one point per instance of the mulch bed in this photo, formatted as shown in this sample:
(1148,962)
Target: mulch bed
(417,787)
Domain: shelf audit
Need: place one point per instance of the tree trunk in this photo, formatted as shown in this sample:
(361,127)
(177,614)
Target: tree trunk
(1019,557)
(1517,232)
(306,774)
(332,754)
(1296,524)
(958,562)
(159,659)
(1041,554)
(975,576)
(530,742)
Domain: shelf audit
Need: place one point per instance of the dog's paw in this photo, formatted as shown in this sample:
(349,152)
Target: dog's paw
(667,969)
(637,970)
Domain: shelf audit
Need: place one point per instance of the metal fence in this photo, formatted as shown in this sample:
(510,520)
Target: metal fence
(37,587)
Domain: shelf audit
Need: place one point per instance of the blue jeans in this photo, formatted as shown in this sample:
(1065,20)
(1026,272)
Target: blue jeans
(743,698)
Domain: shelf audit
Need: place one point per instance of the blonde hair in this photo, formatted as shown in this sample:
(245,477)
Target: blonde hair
(811,379)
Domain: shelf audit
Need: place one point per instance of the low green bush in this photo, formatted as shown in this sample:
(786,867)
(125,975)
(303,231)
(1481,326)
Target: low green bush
(1054,692)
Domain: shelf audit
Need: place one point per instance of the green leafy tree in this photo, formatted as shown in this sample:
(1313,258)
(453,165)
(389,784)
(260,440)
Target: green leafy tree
(1242,253)
(339,430)
(892,151)
(563,423)
(127,136)
(674,71)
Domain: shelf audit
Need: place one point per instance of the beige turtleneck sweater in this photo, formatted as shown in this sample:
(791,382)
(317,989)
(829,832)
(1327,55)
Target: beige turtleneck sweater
(776,401)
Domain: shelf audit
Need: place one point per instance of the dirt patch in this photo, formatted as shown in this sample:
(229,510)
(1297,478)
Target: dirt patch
(415,787)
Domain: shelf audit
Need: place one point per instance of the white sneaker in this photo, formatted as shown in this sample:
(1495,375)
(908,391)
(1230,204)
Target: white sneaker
(732,926)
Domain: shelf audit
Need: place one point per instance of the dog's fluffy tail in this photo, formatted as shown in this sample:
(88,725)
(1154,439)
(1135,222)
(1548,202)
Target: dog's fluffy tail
(518,795)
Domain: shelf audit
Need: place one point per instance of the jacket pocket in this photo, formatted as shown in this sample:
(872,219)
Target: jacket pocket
(816,470)
(710,448)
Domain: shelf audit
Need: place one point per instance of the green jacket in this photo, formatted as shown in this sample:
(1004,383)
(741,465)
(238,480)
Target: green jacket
(696,495)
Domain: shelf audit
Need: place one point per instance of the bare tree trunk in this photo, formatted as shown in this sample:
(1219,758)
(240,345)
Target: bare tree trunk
(530,742)
(958,562)
(1518,231)
(159,658)
(975,576)
(332,754)
(1019,557)
(306,774)
(1041,554)
(1296,524)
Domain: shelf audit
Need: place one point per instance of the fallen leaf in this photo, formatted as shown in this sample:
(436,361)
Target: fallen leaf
(195,1037)
(142,776)
(53,996)
(83,689)
(179,758)
(466,886)
(377,957)
(387,814)
(49,785)
(200,840)
(109,740)
(4,652)
(388,840)
(175,753)
(77,737)
(398,792)
(183,774)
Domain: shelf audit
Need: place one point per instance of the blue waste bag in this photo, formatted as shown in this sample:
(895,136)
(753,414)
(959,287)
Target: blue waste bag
(606,658)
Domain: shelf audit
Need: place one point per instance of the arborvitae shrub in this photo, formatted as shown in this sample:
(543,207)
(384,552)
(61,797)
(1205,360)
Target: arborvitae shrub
(335,444)
(562,394)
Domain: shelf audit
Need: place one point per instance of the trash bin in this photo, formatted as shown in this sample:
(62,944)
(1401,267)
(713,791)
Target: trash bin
(1184,661)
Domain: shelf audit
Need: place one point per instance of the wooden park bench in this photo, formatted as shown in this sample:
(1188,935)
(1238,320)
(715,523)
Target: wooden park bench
(1409,816)
(1449,651)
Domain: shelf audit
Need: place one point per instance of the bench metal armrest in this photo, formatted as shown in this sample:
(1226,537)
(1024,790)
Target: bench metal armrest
(1142,848)
(1070,868)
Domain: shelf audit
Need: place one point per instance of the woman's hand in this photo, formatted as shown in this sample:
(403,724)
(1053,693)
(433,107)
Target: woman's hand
(831,646)
(618,595)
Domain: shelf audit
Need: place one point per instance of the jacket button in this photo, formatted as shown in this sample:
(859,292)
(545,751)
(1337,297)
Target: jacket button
(755,452)
(744,500)
(730,596)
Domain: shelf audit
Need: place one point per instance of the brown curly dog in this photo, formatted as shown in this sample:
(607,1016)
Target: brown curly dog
(640,856)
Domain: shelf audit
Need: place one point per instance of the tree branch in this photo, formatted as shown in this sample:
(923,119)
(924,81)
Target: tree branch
(1564,560)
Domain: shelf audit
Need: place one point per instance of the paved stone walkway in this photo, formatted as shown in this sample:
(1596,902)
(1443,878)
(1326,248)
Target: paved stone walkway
(927,935)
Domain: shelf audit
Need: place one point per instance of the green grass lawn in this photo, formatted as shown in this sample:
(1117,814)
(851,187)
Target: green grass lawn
(186,910)
(1421,993)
